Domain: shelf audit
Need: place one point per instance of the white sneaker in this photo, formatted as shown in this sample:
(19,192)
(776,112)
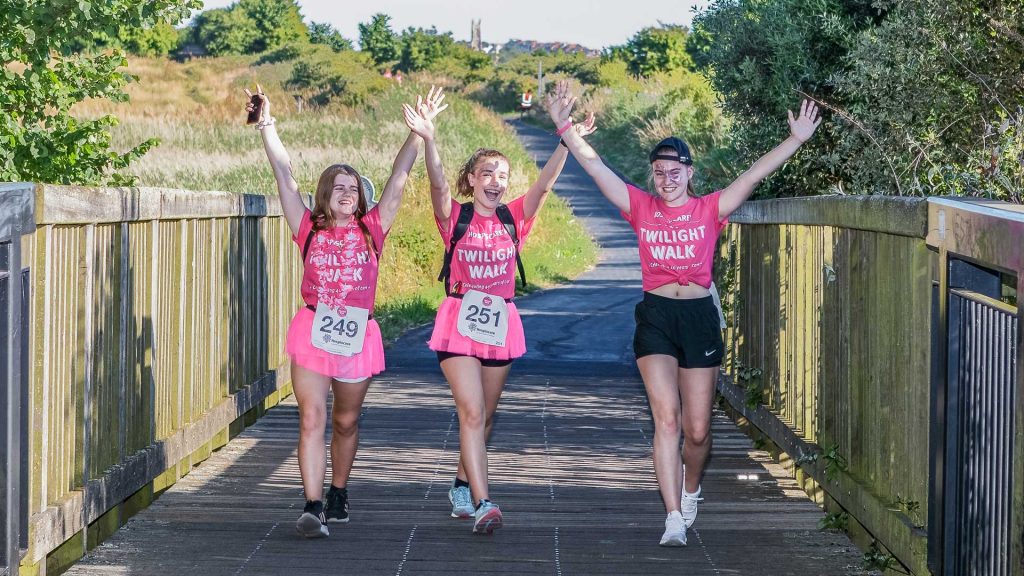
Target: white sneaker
(675,530)
(688,506)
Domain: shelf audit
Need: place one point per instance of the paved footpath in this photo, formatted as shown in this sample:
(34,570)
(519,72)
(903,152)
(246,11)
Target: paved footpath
(569,460)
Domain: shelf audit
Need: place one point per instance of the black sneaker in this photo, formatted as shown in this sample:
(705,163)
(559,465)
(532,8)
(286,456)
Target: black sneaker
(337,505)
(312,523)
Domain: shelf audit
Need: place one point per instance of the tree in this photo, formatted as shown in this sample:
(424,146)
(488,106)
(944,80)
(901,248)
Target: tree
(379,39)
(278,22)
(225,31)
(40,82)
(652,50)
(420,48)
(323,33)
(159,40)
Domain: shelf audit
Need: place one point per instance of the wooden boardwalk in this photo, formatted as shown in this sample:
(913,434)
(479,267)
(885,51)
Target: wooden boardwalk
(570,466)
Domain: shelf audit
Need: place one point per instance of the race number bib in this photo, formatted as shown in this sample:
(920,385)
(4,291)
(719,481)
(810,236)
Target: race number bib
(483,318)
(339,333)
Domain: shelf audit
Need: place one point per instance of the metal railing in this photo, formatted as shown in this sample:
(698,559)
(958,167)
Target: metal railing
(16,219)
(977,483)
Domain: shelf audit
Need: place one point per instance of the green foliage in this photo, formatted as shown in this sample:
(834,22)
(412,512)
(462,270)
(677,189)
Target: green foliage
(911,508)
(159,40)
(655,49)
(377,38)
(634,117)
(420,48)
(225,31)
(876,559)
(752,385)
(835,521)
(344,77)
(249,27)
(923,96)
(40,82)
(834,462)
(277,22)
(758,55)
(323,33)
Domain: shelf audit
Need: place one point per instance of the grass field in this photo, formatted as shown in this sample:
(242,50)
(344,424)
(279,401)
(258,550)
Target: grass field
(195,110)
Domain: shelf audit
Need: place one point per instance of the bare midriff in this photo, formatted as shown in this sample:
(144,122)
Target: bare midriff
(681,291)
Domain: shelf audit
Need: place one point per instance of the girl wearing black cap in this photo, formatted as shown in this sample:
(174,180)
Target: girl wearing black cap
(678,341)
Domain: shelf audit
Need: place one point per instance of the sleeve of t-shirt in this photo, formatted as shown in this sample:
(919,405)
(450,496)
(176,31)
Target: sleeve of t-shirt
(445,228)
(638,200)
(373,224)
(523,224)
(305,229)
(712,206)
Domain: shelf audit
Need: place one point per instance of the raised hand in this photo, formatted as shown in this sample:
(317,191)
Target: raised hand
(265,107)
(587,127)
(560,103)
(421,118)
(802,127)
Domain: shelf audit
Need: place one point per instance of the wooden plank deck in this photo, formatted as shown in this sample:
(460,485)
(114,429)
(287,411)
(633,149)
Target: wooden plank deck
(570,467)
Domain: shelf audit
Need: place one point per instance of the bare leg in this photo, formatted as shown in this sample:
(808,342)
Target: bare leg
(493,384)
(659,372)
(348,403)
(697,389)
(310,389)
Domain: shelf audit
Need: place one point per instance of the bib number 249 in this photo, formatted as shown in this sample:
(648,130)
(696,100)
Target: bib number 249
(339,333)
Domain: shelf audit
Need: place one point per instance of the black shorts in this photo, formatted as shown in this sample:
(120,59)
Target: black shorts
(688,329)
(442,356)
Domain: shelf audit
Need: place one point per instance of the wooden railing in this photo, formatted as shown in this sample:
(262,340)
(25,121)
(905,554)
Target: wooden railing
(157,321)
(832,305)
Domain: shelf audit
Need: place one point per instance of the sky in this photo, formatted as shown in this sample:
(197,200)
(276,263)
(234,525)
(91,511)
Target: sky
(591,23)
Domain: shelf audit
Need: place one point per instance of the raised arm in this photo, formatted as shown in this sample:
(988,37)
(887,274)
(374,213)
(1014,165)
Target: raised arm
(560,105)
(287,189)
(394,189)
(538,192)
(801,128)
(421,121)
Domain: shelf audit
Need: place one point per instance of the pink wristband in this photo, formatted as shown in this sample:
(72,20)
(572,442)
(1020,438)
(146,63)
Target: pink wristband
(566,126)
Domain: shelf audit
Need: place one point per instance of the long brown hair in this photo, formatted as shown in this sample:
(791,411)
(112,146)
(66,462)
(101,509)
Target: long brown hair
(322,216)
(462,187)
(689,180)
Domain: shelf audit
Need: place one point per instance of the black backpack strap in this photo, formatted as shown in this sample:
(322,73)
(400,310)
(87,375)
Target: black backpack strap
(458,231)
(505,216)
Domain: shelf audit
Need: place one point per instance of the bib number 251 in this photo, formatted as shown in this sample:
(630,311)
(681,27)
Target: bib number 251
(339,333)
(483,318)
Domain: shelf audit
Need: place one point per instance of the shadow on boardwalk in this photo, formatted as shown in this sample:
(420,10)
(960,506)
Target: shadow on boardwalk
(569,464)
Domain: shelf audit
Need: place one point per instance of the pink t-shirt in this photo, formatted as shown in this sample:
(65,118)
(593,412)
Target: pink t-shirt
(485,258)
(676,244)
(340,268)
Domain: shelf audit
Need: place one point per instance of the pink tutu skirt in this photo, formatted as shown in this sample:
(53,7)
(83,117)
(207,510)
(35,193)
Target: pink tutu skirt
(446,336)
(367,363)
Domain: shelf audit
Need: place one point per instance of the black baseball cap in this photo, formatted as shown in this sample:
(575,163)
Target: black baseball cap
(682,151)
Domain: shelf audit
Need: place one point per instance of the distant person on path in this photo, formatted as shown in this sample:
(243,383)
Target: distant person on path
(333,341)
(478,332)
(678,340)
(526,103)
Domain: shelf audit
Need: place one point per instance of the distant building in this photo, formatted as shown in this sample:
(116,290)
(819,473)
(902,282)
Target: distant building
(189,51)
(475,41)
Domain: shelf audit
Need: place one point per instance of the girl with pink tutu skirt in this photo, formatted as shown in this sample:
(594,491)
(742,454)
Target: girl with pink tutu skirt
(478,332)
(334,343)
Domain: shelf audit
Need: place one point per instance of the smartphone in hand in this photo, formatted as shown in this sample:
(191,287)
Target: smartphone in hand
(257,109)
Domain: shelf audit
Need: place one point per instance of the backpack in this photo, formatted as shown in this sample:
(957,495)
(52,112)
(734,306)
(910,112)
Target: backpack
(462,225)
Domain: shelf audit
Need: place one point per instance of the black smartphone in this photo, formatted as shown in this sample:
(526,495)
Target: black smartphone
(257,109)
